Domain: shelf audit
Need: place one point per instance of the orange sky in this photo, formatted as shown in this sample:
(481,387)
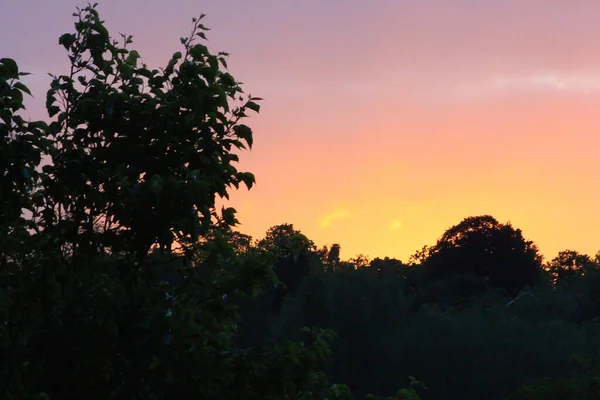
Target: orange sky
(386,122)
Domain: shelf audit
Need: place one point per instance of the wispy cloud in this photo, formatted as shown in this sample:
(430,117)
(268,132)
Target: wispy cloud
(553,81)
(326,220)
(575,82)
(395,225)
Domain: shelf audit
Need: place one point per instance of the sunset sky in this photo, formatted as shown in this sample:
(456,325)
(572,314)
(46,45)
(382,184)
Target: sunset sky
(385,122)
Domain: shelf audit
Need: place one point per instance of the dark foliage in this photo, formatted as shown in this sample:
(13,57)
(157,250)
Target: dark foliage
(483,247)
(95,301)
(463,336)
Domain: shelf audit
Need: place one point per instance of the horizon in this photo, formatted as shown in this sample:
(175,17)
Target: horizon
(384,125)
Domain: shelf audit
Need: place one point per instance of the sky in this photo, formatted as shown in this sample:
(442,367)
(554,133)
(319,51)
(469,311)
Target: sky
(384,122)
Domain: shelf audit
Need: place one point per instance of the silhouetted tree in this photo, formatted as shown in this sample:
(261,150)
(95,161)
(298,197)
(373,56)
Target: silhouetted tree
(291,250)
(360,261)
(569,264)
(138,158)
(481,246)
(284,239)
(387,266)
(240,241)
(420,256)
(333,257)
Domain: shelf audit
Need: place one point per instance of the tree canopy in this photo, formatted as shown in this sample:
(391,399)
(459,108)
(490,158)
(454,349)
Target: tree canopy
(483,247)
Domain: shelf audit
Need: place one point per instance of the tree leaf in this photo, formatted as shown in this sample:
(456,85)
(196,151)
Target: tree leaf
(198,52)
(247,178)
(132,58)
(11,66)
(244,132)
(67,40)
(22,87)
(253,106)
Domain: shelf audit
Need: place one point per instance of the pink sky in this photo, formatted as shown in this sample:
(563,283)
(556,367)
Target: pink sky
(386,122)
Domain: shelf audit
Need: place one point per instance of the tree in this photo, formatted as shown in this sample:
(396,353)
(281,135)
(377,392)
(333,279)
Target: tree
(483,247)
(22,144)
(161,141)
(569,264)
(284,240)
(360,261)
(292,253)
(333,257)
(138,156)
(389,268)
(420,256)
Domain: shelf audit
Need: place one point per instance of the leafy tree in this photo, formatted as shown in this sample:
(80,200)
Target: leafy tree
(240,241)
(483,247)
(162,142)
(138,156)
(360,261)
(384,267)
(284,240)
(569,264)
(420,256)
(333,257)
(292,252)
(22,144)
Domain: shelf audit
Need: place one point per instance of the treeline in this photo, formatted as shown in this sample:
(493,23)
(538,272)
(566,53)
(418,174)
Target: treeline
(479,315)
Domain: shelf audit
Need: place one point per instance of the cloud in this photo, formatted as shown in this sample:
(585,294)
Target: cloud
(340,213)
(395,225)
(575,82)
(548,81)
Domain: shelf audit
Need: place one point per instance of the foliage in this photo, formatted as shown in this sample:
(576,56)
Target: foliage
(484,247)
(22,144)
(160,141)
(21,147)
(286,241)
(569,264)
(466,338)
(138,156)
(583,385)
(292,253)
